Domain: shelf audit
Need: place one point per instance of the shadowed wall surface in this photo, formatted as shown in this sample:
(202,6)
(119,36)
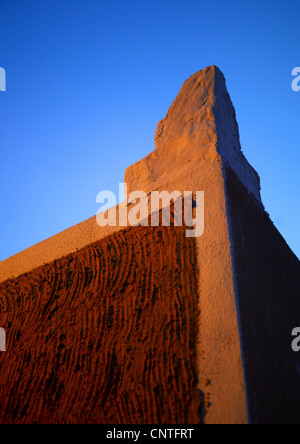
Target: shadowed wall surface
(268,281)
(105,335)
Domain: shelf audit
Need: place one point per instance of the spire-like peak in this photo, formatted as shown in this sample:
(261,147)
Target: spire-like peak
(192,110)
(190,118)
(201,123)
(202,105)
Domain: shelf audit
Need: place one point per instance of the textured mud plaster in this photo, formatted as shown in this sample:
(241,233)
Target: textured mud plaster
(200,136)
(189,156)
(105,335)
(236,289)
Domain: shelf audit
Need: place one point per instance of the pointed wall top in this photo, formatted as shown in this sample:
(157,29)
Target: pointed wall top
(202,105)
(191,114)
(201,123)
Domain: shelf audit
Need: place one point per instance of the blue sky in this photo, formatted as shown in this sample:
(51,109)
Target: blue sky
(88,81)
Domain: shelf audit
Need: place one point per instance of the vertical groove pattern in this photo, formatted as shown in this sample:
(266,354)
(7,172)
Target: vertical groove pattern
(105,335)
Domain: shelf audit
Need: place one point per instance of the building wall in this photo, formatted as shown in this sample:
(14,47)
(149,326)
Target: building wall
(105,335)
